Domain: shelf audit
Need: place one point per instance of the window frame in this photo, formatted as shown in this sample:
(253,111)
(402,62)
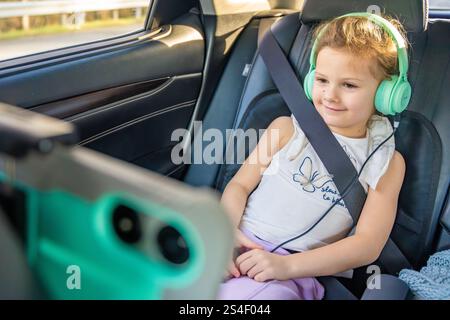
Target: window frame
(84,49)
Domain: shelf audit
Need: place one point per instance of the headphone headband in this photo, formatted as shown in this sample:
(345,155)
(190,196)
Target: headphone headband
(402,54)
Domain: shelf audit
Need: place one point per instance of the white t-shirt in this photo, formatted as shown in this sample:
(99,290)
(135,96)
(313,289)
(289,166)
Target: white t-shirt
(296,189)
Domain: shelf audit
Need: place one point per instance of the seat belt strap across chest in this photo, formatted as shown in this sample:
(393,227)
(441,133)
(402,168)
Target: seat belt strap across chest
(316,130)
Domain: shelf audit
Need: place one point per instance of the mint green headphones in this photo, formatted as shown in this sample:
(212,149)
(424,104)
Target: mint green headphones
(392,95)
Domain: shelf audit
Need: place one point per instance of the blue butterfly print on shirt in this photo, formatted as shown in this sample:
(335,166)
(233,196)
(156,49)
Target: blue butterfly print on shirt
(308,179)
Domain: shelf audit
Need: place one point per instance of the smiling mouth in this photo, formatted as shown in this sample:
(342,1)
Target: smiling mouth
(333,109)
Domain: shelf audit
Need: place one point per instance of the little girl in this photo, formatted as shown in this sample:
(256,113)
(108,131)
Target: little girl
(353,56)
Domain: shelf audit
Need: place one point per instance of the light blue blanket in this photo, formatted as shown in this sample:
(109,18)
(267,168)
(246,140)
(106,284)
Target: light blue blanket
(433,281)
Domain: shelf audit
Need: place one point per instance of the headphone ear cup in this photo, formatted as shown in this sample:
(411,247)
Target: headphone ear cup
(400,96)
(308,83)
(383,95)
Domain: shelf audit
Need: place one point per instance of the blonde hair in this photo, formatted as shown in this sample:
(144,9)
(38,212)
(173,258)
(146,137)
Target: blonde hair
(364,38)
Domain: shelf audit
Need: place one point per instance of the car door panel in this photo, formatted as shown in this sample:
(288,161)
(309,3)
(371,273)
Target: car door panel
(144,138)
(177,90)
(125,101)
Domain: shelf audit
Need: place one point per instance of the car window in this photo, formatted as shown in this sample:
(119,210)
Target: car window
(439,4)
(32,26)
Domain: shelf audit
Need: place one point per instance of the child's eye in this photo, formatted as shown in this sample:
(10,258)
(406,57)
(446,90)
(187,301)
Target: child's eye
(349,85)
(321,80)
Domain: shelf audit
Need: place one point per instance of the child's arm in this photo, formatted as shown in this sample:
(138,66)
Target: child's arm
(363,248)
(234,197)
(371,234)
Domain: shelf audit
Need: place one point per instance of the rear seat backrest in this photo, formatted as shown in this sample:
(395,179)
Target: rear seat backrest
(224,104)
(227,98)
(430,79)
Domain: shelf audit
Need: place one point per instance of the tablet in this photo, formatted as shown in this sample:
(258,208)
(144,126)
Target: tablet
(100,228)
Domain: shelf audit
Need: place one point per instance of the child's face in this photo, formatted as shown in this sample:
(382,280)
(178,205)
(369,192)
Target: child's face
(344,91)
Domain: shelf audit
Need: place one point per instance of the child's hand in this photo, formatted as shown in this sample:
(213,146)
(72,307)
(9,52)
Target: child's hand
(242,244)
(262,266)
(232,271)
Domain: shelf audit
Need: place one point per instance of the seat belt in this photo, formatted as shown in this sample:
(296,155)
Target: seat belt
(316,130)
(323,141)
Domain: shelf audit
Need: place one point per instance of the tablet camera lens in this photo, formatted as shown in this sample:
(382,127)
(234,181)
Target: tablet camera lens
(126,224)
(172,245)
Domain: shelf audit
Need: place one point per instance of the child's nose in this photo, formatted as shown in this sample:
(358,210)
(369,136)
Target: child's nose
(330,93)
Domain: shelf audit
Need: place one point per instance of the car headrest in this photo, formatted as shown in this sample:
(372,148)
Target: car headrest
(413,14)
